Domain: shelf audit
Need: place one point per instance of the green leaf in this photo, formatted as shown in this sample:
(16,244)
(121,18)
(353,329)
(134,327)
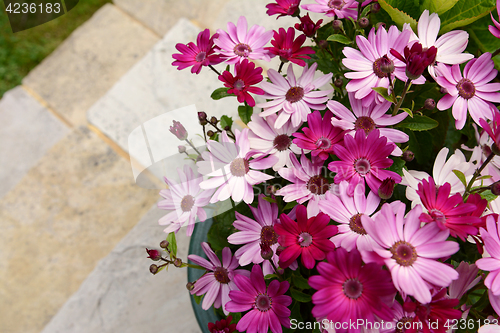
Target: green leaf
(226,121)
(245,112)
(488,195)
(220,93)
(438,6)
(418,123)
(480,38)
(270,276)
(398,15)
(300,296)
(290,205)
(397,166)
(300,282)
(410,112)
(172,244)
(197,298)
(383,92)
(339,38)
(269,199)
(465,12)
(485,177)
(460,176)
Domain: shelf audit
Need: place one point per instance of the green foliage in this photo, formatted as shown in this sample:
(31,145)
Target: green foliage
(226,121)
(384,93)
(488,195)
(397,165)
(402,11)
(480,38)
(418,123)
(300,296)
(339,38)
(300,282)
(465,12)
(220,93)
(245,112)
(172,244)
(438,6)
(223,224)
(460,176)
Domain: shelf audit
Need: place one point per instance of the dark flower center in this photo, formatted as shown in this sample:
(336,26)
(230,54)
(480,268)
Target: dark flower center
(263,303)
(239,167)
(323,143)
(382,66)
(187,203)
(242,50)
(438,216)
(352,288)
(403,324)
(304,239)
(282,142)
(268,236)
(201,56)
(362,166)
(239,84)
(294,94)
(404,253)
(466,88)
(356,225)
(318,185)
(221,275)
(336,4)
(365,123)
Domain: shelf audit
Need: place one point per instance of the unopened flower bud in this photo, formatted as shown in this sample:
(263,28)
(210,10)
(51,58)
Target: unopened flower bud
(495,149)
(495,188)
(443,91)
(202,115)
(182,149)
(199,158)
(178,130)
(338,82)
(271,189)
(190,286)
(486,150)
(227,128)
(323,44)
(154,254)
(210,133)
(376,7)
(409,307)
(386,65)
(153,269)
(337,24)
(363,22)
(164,244)
(408,156)
(430,104)
(266,252)
(380,25)
(279,250)
(178,262)
(214,120)
(386,189)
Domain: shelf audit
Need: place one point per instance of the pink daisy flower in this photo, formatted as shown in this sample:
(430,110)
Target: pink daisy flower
(197,55)
(238,44)
(219,279)
(267,305)
(363,158)
(240,85)
(283,8)
(448,212)
(307,238)
(493,128)
(495,30)
(293,98)
(467,279)
(347,210)
(308,184)
(369,118)
(471,91)
(289,49)
(491,241)
(185,200)
(400,319)
(367,63)
(320,136)
(331,8)
(409,251)
(232,171)
(348,290)
(266,139)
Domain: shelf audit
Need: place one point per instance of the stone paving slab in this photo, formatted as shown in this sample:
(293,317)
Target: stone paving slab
(89,62)
(67,212)
(27,131)
(120,295)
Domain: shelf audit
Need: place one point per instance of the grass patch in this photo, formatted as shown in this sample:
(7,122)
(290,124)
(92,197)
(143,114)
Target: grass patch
(22,51)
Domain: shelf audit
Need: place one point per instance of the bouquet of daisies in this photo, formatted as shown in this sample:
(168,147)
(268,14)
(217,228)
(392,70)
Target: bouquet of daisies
(358,191)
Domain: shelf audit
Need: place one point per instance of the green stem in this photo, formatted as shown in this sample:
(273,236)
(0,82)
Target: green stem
(405,90)
(212,68)
(281,67)
(495,53)
(477,173)
(192,146)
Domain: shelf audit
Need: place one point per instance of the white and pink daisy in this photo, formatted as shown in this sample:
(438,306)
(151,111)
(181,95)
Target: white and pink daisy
(369,118)
(219,279)
(347,210)
(410,251)
(331,8)
(471,92)
(185,199)
(294,98)
(232,171)
(265,138)
(449,46)
(371,63)
(308,183)
(238,44)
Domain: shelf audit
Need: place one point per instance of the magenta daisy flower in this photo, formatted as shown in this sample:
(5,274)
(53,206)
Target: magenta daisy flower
(331,8)
(491,241)
(232,171)
(471,91)
(185,199)
(363,158)
(240,85)
(307,238)
(448,212)
(373,60)
(267,305)
(495,30)
(320,136)
(265,138)
(293,98)
(348,290)
(219,279)
(307,26)
(369,118)
(283,8)
(308,183)
(238,44)
(409,250)
(289,49)
(347,210)
(197,55)
(493,129)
